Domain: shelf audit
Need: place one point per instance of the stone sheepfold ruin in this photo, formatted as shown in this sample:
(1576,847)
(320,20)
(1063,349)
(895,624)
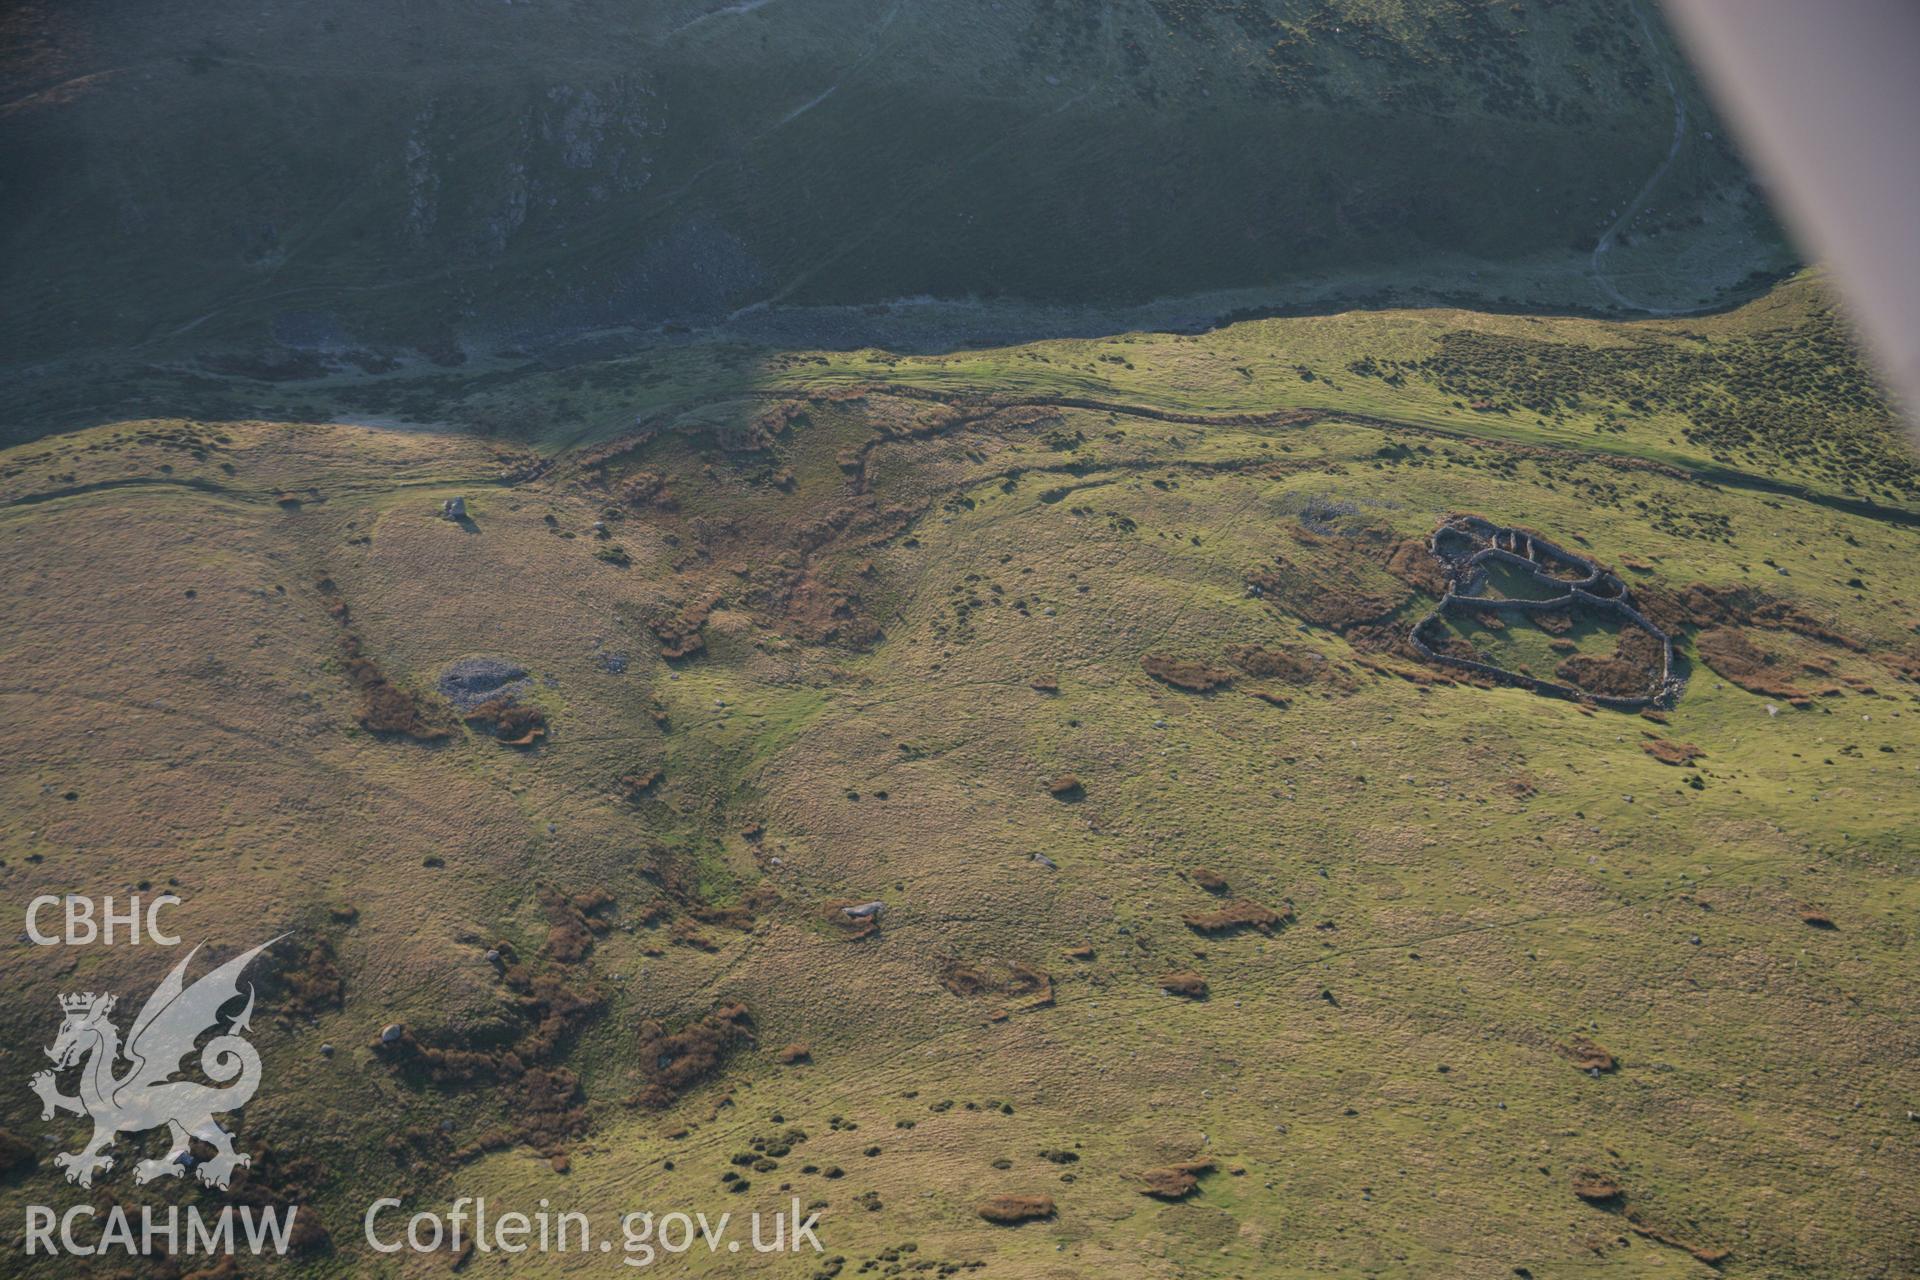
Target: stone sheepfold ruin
(1466,544)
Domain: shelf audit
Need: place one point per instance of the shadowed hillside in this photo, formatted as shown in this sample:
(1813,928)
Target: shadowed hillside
(366,175)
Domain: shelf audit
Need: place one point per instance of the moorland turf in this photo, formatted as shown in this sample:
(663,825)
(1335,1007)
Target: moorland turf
(1490,980)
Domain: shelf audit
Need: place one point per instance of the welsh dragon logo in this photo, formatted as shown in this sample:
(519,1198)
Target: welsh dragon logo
(144,1095)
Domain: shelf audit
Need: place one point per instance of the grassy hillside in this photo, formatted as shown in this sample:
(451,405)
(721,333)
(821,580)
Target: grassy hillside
(412,180)
(1769,394)
(1074,654)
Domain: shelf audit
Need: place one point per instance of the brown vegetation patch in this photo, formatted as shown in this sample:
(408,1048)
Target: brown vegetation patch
(1174,1181)
(305,981)
(1035,986)
(1032,986)
(1025,980)
(1723,613)
(1384,639)
(1597,1188)
(392,711)
(1410,561)
(777,421)
(686,933)
(964,980)
(735,917)
(541,1019)
(820,611)
(387,709)
(640,784)
(1393,670)
(1211,881)
(546,1012)
(1702,606)
(680,634)
(1452,645)
(1184,982)
(1630,672)
(1709,1254)
(1235,916)
(1326,596)
(647,489)
(1011,1210)
(558,1011)
(795,569)
(676,1061)
(511,723)
(1602,675)
(1184,673)
(1293,665)
(800,580)
(574,921)
(1733,655)
(1587,1056)
(1674,753)
(548,1109)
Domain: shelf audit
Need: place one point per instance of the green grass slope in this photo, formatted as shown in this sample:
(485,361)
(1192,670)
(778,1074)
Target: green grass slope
(813,635)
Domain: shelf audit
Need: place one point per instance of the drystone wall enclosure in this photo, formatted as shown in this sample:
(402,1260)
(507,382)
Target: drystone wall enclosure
(1466,544)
